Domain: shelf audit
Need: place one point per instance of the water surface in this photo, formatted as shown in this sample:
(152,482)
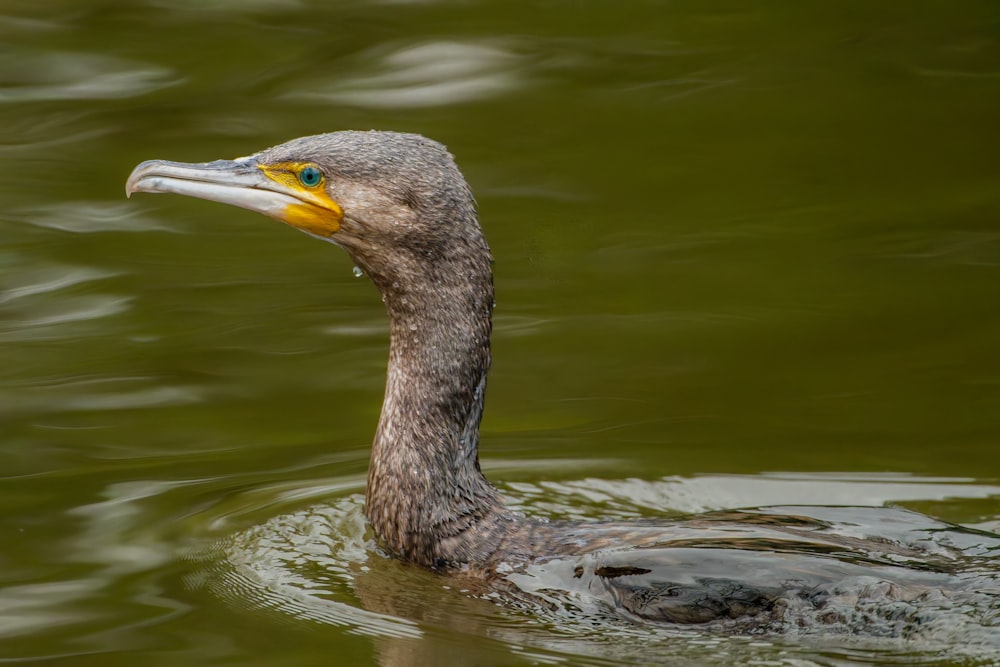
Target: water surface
(746,254)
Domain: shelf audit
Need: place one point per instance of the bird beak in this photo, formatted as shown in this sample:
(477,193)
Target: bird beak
(245,183)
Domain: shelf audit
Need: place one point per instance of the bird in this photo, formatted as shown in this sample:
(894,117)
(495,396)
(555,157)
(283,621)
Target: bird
(401,209)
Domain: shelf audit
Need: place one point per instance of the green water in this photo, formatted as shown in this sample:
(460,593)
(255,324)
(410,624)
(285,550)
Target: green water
(730,238)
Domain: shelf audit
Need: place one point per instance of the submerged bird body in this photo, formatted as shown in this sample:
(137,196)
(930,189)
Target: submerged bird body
(398,205)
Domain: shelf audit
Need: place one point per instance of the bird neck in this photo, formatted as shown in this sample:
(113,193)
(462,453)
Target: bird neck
(427,498)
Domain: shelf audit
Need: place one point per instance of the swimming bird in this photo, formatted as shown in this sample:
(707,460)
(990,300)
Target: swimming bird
(399,206)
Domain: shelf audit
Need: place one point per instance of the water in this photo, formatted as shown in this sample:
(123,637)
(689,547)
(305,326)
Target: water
(730,239)
(927,597)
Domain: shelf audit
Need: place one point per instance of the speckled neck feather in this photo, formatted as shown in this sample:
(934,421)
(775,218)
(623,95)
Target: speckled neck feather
(419,240)
(427,498)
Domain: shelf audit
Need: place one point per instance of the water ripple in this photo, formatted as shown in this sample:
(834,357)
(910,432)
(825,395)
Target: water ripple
(424,75)
(36,323)
(229,6)
(627,498)
(87,217)
(266,564)
(32,607)
(22,25)
(42,280)
(34,136)
(77,76)
(316,564)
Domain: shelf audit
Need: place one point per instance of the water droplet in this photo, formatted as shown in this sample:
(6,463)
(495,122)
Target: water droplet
(358,273)
(413,327)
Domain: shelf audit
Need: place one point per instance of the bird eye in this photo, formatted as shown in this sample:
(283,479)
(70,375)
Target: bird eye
(310,176)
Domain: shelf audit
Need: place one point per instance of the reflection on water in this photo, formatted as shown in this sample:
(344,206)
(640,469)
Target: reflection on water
(39,280)
(91,217)
(51,76)
(705,493)
(303,565)
(49,302)
(423,75)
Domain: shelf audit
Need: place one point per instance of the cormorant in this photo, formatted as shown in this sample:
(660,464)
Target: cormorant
(401,209)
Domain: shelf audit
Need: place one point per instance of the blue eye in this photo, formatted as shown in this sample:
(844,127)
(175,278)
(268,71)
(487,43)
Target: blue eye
(310,177)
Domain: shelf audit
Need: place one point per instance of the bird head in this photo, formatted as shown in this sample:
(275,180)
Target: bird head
(394,201)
